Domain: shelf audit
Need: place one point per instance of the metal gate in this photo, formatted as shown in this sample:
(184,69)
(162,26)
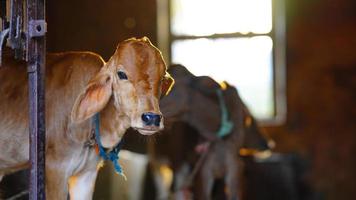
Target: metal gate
(23,28)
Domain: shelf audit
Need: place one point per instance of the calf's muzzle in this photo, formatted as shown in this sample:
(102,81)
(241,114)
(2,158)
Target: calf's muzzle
(151,119)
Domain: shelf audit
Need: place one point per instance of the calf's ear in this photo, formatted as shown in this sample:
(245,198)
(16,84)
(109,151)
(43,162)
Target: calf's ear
(167,84)
(93,99)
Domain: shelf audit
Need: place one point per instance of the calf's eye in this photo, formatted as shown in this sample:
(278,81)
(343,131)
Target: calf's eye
(122,75)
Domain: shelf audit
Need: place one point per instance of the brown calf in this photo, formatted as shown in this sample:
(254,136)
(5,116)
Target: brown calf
(194,108)
(125,91)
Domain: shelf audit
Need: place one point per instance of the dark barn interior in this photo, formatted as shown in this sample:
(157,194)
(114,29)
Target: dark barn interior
(320,125)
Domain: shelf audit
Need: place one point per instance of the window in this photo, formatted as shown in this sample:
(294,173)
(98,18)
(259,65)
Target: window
(240,41)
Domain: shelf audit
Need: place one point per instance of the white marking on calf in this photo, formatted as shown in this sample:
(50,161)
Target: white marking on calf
(81,187)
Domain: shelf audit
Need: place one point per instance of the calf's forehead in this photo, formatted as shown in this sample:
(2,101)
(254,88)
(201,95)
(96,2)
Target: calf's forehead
(142,61)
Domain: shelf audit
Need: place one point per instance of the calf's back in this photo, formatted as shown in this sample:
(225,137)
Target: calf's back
(66,75)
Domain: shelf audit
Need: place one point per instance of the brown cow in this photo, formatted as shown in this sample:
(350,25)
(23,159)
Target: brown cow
(125,91)
(194,108)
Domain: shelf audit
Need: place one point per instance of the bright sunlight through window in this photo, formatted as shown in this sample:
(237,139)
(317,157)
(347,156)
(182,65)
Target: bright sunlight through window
(243,62)
(206,17)
(228,40)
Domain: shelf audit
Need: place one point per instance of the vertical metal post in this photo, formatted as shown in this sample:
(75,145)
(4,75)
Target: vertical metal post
(36,52)
(16,32)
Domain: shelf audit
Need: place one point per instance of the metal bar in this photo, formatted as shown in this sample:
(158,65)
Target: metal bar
(16,33)
(217,36)
(36,52)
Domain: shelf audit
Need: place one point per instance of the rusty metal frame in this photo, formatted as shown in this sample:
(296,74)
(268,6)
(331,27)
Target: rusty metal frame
(25,34)
(16,34)
(36,58)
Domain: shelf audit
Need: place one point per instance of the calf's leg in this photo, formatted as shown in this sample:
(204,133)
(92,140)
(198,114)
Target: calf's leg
(231,186)
(56,183)
(231,180)
(81,186)
(204,184)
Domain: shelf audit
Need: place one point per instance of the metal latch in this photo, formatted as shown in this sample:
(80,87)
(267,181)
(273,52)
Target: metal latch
(37,28)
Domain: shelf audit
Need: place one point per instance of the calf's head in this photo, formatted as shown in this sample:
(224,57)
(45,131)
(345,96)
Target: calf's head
(193,100)
(133,79)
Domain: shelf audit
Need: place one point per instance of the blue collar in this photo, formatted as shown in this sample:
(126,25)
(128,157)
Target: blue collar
(226,124)
(113,154)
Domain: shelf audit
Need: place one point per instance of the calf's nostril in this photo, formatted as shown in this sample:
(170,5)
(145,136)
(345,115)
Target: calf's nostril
(145,117)
(150,119)
(157,120)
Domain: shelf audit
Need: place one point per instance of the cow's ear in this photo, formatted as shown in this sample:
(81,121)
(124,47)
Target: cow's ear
(93,99)
(167,84)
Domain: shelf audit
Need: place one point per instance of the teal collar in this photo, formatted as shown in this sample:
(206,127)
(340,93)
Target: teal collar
(226,124)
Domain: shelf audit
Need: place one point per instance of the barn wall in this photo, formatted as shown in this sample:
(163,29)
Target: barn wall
(321,84)
(98,25)
(321,73)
